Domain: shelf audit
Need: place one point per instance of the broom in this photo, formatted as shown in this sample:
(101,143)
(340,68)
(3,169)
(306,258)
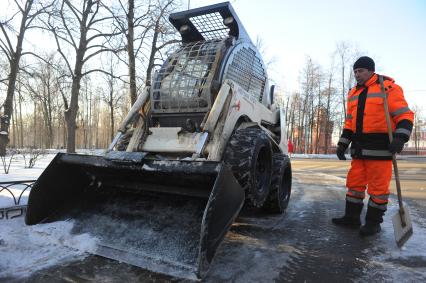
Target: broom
(402,226)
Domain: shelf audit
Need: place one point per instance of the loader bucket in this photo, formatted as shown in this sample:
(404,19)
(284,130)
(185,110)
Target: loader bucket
(166,216)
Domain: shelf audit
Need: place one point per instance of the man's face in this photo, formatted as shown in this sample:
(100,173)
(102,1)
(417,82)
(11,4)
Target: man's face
(362,75)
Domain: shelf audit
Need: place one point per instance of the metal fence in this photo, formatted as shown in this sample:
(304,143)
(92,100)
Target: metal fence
(16,190)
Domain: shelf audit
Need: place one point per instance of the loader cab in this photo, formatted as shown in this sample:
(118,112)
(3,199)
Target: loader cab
(215,47)
(185,86)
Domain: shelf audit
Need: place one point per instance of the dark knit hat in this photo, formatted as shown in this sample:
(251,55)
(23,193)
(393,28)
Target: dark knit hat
(364,62)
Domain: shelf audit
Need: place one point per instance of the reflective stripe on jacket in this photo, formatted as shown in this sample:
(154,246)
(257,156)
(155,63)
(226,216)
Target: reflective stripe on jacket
(365,123)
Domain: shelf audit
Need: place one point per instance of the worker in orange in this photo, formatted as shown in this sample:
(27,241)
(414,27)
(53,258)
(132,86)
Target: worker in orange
(366,131)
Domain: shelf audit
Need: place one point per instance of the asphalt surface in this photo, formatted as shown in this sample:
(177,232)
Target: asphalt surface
(300,246)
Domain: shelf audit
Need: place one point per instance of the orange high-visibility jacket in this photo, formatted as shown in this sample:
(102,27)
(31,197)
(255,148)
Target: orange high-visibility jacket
(365,124)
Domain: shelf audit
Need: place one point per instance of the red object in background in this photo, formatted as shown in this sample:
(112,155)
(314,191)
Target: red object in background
(290,146)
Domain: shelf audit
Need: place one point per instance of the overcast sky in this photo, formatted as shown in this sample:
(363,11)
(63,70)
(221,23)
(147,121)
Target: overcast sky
(392,32)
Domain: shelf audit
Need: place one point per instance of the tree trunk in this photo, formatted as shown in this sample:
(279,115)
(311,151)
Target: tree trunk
(8,104)
(111,107)
(49,115)
(21,124)
(152,55)
(14,124)
(318,136)
(327,118)
(291,119)
(343,89)
(14,69)
(131,52)
(71,112)
(35,126)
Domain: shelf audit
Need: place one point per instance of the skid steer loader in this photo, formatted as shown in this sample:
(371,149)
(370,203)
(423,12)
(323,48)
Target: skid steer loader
(201,141)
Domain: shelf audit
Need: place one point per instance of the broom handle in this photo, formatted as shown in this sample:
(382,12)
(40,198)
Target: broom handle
(395,166)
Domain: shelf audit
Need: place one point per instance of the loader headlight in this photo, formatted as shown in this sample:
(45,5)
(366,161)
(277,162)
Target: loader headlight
(184,29)
(228,20)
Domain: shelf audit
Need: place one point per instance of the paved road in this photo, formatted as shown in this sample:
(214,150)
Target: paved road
(412,173)
(300,246)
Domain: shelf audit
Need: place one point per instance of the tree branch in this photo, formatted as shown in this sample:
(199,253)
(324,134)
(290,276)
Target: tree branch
(167,43)
(104,72)
(6,52)
(42,10)
(39,57)
(142,41)
(103,35)
(72,42)
(7,38)
(62,54)
(75,11)
(92,19)
(100,20)
(64,98)
(4,81)
(100,51)
(19,6)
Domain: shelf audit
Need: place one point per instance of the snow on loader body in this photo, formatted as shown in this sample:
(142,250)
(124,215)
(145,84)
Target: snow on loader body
(201,141)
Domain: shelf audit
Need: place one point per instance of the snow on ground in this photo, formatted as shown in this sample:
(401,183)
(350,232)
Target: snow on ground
(316,156)
(18,172)
(26,249)
(348,157)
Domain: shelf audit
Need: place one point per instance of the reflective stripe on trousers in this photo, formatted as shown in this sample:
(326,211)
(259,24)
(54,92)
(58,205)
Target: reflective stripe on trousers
(354,200)
(382,206)
(373,175)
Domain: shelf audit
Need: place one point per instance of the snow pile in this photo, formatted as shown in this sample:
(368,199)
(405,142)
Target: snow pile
(316,156)
(26,249)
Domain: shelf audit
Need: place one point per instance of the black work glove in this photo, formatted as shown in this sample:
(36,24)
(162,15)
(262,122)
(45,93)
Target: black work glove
(340,151)
(396,145)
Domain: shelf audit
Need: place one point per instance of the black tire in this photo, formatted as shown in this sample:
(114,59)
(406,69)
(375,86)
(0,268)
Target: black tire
(249,154)
(280,191)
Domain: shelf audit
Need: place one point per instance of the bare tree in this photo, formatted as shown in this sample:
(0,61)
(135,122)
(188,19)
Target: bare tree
(132,57)
(133,22)
(162,33)
(261,47)
(328,129)
(318,111)
(42,86)
(416,134)
(147,33)
(343,51)
(310,84)
(28,12)
(85,31)
(112,96)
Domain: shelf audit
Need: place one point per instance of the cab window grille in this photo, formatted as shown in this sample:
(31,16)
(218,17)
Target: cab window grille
(183,82)
(247,70)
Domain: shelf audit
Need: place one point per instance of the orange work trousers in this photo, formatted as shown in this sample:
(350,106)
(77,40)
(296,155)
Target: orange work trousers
(373,175)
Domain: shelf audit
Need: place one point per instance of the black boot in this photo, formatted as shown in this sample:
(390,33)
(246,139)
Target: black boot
(351,217)
(372,221)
